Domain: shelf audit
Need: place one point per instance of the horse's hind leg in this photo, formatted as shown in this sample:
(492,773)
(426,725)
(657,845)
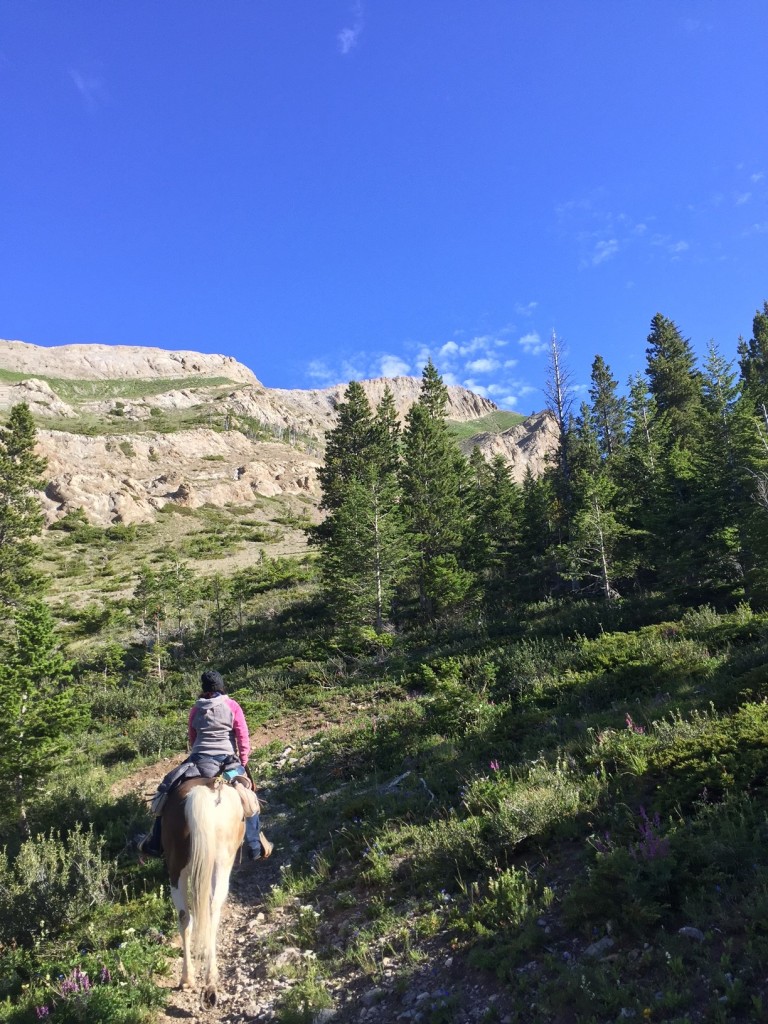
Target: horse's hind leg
(219,890)
(179,897)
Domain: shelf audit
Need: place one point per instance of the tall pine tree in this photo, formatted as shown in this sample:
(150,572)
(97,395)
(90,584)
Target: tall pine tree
(39,702)
(432,478)
(361,536)
(21,517)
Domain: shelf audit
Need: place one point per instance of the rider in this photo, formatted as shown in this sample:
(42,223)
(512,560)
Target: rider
(217,732)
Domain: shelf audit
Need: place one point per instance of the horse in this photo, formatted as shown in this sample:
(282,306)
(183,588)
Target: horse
(202,829)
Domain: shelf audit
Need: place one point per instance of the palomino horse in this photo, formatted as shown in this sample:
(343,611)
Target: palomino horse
(202,832)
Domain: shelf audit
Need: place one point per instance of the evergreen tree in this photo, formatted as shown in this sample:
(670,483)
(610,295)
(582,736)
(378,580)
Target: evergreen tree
(753,359)
(432,478)
(492,539)
(721,475)
(538,538)
(593,553)
(361,537)
(675,522)
(636,471)
(673,379)
(347,446)
(21,517)
(609,410)
(39,702)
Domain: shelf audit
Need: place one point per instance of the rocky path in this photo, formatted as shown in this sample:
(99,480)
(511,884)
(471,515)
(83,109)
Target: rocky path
(259,960)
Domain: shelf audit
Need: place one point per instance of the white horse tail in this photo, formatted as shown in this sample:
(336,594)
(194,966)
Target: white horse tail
(200,811)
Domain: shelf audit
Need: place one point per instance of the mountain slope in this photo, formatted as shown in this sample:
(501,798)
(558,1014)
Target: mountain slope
(128,429)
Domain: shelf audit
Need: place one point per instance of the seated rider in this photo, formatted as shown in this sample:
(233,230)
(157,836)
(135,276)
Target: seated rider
(218,735)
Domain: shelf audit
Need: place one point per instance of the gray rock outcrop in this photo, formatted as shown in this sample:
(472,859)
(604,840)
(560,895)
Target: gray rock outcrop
(221,437)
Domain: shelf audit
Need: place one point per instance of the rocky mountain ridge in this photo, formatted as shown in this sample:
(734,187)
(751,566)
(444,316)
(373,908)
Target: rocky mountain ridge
(127,429)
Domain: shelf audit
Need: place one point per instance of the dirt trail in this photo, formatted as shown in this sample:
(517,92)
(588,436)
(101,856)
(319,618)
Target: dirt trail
(246,992)
(257,958)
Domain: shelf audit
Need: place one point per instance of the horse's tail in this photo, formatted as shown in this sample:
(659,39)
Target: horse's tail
(200,811)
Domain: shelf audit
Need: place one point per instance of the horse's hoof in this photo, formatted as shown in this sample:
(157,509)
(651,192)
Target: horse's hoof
(208,998)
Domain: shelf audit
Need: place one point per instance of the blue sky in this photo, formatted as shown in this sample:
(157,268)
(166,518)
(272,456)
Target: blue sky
(336,188)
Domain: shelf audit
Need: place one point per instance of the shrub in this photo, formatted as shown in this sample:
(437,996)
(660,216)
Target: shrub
(50,884)
(732,754)
(510,898)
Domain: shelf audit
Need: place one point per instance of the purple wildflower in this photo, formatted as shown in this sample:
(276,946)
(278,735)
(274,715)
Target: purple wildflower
(41,1011)
(633,727)
(494,765)
(651,846)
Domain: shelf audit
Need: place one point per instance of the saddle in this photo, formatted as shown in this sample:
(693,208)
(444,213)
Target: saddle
(208,768)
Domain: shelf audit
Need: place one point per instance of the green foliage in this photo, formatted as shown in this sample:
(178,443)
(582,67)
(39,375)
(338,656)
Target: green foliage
(305,998)
(39,700)
(21,517)
(731,755)
(492,423)
(509,900)
(50,884)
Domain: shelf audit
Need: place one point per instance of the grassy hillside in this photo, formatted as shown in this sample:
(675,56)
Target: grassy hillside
(493,423)
(569,814)
(75,391)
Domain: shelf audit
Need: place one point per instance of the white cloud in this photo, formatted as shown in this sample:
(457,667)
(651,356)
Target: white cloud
(477,344)
(760,228)
(351,372)
(605,249)
(754,178)
(90,87)
(742,197)
(450,379)
(393,366)
(526,310)
(507,401)
(318,371)
(674,249)
(450,348)
(349,37)
(479,389)
(510,364)
(532,344)
(484,365)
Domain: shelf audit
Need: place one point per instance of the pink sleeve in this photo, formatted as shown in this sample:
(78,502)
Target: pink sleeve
(240,730)
(191,731)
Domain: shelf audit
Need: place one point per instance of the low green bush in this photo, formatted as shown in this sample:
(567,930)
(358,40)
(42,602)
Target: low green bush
(50,884)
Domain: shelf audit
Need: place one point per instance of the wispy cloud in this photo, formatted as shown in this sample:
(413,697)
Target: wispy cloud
(483,365)
(532,344)
(318,371)
(349,37)
(605,249)
(526,310)
(90,87)
(741,198)
(477,363)
(479,389)
(673,248)
(393,366)
(755,178)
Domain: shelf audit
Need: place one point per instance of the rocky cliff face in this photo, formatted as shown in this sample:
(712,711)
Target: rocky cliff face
(530,444)
(116,362)
(123,448)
